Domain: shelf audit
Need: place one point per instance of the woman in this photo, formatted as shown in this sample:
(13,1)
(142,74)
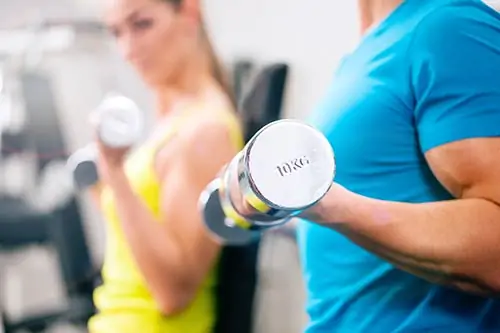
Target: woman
(159,269)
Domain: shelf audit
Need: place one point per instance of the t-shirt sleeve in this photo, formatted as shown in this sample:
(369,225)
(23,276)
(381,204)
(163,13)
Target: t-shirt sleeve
(455,75)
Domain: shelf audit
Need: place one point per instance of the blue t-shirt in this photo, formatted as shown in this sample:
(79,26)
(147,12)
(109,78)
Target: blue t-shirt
(428,75)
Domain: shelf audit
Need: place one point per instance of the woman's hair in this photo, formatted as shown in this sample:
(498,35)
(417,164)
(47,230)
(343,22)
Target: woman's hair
(218,70)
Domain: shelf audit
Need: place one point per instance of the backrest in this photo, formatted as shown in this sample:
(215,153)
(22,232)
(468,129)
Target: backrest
(67,236)
(238,268)
(263,102)
(242,72)
(237,282)
(13,143)
(62,228)
(42,120)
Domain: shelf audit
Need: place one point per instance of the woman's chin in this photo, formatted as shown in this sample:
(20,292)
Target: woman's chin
(153,79)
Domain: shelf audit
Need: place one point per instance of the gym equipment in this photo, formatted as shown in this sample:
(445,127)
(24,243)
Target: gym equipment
(241,74)
(119,121)
(62,228)
(285,168)
(83,167)
(238,268)
(119,124)
(21,225)
(264,100)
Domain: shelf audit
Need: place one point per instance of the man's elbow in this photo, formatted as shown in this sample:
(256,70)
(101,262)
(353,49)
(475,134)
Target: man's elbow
(491,285)
(485,285)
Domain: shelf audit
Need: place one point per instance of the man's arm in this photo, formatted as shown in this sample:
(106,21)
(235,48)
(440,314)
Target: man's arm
(454,242)
(457,115)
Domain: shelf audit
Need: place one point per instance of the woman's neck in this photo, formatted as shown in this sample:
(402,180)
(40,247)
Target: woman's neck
(372,12)
(188,84)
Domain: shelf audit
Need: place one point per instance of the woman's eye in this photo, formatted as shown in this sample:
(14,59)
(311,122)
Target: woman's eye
(115,32)
(142,24)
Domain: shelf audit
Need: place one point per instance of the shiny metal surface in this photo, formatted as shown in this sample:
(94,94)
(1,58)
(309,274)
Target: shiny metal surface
(218,224)
(289,165)
(232,207)
(261,212)
(119,121)
(82,166)
(286,167)
(239,203)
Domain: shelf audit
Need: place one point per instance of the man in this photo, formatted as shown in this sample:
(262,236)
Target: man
(408,238)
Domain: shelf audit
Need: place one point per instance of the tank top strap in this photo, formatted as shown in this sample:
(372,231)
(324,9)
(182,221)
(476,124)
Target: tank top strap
(235,129)
(176,123)
(229,118)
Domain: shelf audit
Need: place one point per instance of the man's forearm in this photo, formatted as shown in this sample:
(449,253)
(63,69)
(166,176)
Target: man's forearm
(453,242)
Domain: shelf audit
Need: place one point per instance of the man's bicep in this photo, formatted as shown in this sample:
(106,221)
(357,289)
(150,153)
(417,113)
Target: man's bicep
(455,77)
(468,168)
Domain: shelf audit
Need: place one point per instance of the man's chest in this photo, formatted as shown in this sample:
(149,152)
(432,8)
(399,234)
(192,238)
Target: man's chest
(368,118)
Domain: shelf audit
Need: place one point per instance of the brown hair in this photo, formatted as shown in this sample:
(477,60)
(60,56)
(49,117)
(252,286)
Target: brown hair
(218,70)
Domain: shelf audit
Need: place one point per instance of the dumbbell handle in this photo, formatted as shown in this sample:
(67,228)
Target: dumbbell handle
(241,206)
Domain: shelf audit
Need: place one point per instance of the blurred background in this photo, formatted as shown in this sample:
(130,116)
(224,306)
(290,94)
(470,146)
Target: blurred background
(57,62)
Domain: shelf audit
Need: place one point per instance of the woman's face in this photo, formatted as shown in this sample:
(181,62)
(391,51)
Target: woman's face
(151,34)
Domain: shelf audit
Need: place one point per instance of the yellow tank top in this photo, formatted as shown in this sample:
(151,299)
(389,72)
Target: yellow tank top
(123,302)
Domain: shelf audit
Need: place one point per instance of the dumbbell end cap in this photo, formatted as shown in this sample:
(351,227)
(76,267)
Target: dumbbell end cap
(85,175)
(82,166)
(290,164)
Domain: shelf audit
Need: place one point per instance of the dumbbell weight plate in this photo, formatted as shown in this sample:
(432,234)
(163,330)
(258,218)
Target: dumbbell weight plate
(119,121)
(82,165)
(287,166)
(216,221)
(85,174)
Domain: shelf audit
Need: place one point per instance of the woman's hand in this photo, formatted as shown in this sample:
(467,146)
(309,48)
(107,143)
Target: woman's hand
(110,162)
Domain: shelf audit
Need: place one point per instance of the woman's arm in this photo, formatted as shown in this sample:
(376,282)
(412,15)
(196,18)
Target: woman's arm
(454,242)
(175,255)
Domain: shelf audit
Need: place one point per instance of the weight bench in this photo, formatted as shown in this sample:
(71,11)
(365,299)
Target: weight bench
(238,275)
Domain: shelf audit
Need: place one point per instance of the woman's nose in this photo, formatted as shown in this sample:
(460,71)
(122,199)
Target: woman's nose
(128,47)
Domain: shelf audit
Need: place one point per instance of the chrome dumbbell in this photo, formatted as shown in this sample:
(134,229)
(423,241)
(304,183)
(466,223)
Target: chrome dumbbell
(285,168)
(119,124)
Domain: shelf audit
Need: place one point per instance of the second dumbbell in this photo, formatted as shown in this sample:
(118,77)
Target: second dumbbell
(119,124)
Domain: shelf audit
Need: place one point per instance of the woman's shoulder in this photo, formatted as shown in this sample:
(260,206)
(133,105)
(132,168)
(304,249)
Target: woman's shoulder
(203,139)
(215,127)
(214,119)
